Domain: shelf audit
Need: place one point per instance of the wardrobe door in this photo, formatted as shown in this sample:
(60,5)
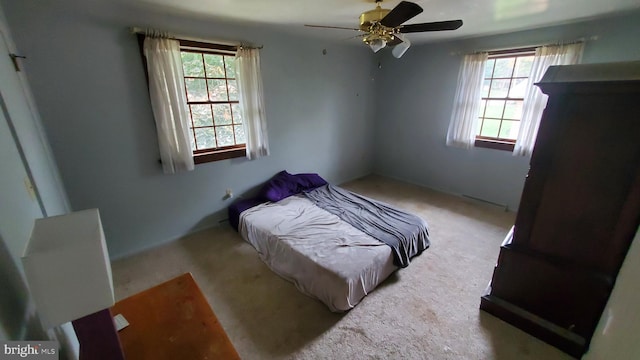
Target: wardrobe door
(588,210)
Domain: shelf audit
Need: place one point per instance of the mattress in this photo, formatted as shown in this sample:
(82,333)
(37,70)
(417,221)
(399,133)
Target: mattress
(325,257)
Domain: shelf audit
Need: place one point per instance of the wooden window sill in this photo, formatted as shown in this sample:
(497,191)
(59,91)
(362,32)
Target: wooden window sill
(495,144)
(219,155)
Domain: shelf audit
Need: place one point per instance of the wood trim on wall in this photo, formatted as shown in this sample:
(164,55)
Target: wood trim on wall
(494,144)
(219,155)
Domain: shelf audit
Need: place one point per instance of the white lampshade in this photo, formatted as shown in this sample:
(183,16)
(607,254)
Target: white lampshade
(401,48)
(67,267)
(377,44)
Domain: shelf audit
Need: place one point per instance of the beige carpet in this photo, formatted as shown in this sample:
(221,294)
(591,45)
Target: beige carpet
(426,311)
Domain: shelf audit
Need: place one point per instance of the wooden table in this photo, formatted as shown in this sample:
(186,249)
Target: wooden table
(172,321)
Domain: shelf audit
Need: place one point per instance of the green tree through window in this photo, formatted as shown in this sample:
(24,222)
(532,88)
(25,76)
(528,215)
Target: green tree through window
(212,96)
(505,79)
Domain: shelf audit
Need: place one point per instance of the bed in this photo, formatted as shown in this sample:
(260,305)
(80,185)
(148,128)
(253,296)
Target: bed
(334,245)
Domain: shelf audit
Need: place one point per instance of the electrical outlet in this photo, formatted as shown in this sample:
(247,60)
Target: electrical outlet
(228,194)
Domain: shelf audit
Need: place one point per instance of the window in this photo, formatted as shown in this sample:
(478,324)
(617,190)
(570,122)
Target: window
(195,93)
(495,106)
(216,127)
(506,75)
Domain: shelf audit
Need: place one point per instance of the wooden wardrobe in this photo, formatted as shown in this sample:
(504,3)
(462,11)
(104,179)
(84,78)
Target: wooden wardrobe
(580,207)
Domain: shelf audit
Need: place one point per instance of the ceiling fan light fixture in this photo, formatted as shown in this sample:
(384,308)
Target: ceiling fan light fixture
(402,47)
(386,28)
(378,37)
(377,44)
(399,50)
(371,17)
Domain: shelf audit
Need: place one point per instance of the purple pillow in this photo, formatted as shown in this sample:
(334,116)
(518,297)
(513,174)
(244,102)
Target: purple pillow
(283,185)
(280,186)
(310,181)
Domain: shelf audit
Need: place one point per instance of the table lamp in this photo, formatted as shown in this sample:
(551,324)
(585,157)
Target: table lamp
(68,272)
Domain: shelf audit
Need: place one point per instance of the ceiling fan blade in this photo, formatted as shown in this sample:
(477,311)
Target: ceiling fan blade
(401,13)
(432,26)
(332,27)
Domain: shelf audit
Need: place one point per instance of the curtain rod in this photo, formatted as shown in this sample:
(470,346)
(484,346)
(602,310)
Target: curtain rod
(506,49)
(145,31)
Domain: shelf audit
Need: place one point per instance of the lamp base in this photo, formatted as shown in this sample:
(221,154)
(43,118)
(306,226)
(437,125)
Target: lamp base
(98,337)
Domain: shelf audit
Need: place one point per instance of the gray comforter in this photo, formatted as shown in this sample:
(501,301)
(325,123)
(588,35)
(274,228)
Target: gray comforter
(405,233)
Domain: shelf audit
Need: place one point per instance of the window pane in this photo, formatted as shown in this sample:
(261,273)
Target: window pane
(222,114)
(214,65)
(192,64)
(483,103)
(205,138)
(504,68)
(225,135)
(494,108)
(488,68)
(237,114)
(513,110)
(217,90)
(478,126)
(509,129)
(499,88)
(505,77)
(240,138)
(230,65)
(196,89)
(490,128)
(523,66)
(201,115)
(518,87)
(485,88)
(233,90)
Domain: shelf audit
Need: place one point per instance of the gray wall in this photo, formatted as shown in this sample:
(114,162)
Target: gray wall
(17,213)
(87,76)
(322,110)
(616,334)
(24,154)
(90,89)
(418,99)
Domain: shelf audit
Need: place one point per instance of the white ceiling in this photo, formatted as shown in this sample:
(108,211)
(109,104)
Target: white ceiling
(481,17)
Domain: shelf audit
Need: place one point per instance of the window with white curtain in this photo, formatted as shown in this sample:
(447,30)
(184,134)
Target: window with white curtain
(505,79)
(216,130)
(497,104)
(207,101)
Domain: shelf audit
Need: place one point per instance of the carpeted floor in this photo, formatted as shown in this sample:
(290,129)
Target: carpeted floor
(426,311)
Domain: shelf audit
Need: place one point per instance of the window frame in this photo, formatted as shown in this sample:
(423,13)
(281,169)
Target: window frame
(223,152)
(501,143)
(208,155)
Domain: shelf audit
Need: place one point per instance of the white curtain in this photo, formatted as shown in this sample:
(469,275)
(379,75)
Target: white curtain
(169,103)
(534,100)
(464,118)
(252,102)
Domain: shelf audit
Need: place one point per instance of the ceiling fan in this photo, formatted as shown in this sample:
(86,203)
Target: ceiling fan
(383,27)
